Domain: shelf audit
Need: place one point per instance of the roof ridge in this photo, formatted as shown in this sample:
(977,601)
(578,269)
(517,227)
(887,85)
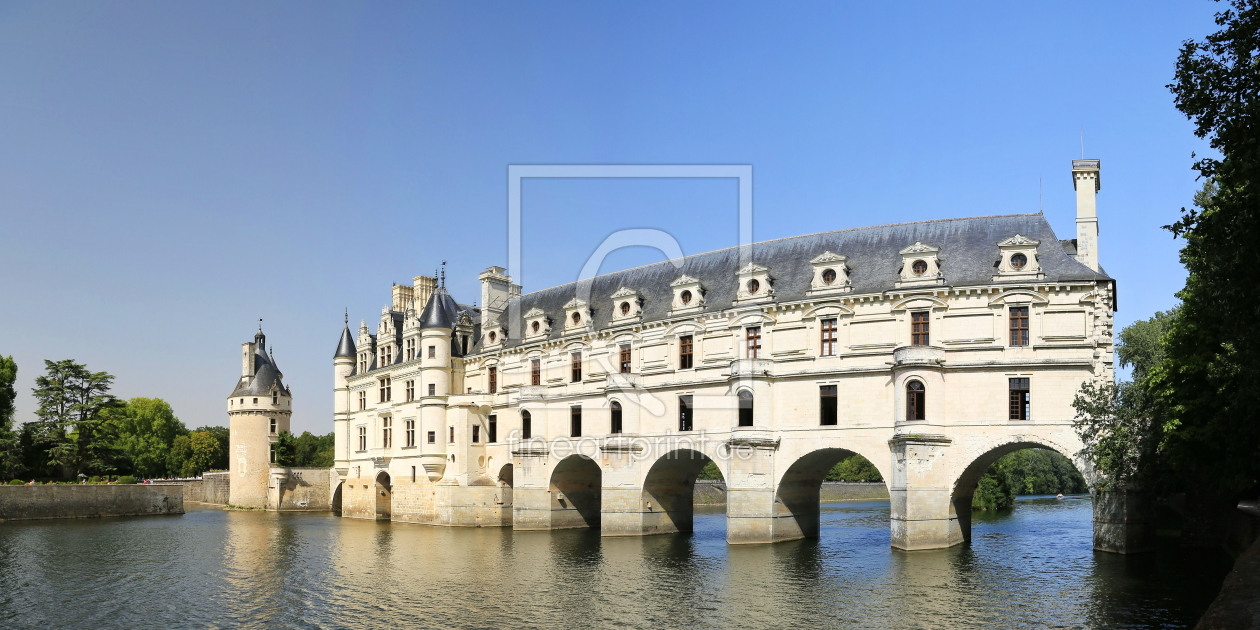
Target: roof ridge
(785,238)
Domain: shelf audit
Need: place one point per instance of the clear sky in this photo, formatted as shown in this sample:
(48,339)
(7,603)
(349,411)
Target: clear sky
(170,172)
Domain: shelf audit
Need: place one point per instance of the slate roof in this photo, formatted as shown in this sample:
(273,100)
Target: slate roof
(266,374)
(345,348)
(441,311)
(968,257)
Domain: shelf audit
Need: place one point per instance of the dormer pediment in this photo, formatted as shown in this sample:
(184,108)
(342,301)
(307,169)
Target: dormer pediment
(534,312)
(577,315)
(827,257)
(755,284)
(920,266)
(574,303)
(627,306)
(688,295)
(493,334)
(1018,259)
(684,279)
(1018,240)
(624,292)
(537,324)
(752,268)
(831,274)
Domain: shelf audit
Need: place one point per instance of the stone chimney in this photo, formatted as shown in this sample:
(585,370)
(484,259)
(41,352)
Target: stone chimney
(497,291)
(247,360)
(400,298)
(421,289)
(1087,181)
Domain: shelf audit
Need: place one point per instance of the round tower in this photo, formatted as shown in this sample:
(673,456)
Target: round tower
(258,410)
(436,325)
(343,369)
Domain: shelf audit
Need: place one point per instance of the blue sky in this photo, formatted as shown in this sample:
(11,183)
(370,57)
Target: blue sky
(172,172)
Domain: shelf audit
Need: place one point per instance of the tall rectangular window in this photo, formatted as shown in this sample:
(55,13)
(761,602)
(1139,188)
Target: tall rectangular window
(362,401)
(387,432)
(575,421)
(411,390)
(828,337)
(494,380)
(827,405)
(684,413)
(535,371)
(363,362)
(685,352)
(753,341)
(919,328)
(625,358)
(452,437)
(527,429)
(492,429)
(1021,399)
(273,426)
(615,417)
(411,349)
(432,351)
(1019,325)
(432,389)
(411,432)
(387,355)
(576,366)
(432,437)
(413,474)
(476,438)
(362,437)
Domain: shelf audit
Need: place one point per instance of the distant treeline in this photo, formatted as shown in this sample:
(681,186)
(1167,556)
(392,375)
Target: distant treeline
(84,430)
(1030,471)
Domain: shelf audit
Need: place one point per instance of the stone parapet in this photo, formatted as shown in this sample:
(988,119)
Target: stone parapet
(19,503)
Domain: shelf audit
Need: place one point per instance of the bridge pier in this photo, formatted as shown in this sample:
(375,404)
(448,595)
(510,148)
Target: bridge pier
(921,491)
(1124,521)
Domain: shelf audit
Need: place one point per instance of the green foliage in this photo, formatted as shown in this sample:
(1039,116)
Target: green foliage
(1026,471)
(710,471)
(304,450)
(72,399)
(854,468)
(145,429)
(126,479)
(1206,384)
(16,482)
(994,492)
(10,440)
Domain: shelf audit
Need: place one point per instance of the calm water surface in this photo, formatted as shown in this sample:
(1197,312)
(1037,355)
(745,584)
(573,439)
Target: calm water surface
(1029,568)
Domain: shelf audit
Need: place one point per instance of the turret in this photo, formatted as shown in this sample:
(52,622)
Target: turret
(259,409)
(343,368)
(436,325)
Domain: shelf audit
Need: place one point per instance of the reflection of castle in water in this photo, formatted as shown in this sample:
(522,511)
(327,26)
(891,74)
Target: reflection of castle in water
(930,348)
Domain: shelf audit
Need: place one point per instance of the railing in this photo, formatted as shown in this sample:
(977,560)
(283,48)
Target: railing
(618,380)
(928,356)
(531,392)
(751,367)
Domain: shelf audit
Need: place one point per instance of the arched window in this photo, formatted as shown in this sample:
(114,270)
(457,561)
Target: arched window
(916,401)
(525,425)
(616,417)
(745,408)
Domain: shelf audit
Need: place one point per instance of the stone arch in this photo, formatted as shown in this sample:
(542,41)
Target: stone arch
(384,491)
(575,487)
(335,502)
(797,511)
(977,460)
(669,491)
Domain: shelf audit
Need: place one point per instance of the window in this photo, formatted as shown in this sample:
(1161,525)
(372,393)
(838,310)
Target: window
(916,402)
(363,362)
(387,352)
(411,349)
(919,267)
(431,437)
(828,276)
(1018,261)
(273,426)
(1021,399)
(386,393)
(432,351)
(616,417)
(577,318)
(413,474)
(432,389)
(1019,325)
(387,432)
(526,421)
(625,358)
(275,398)
(685,297)
(492,430)
(827,404)
(684,352)
(463,345)
(410,432)
(411,391)
(753,338)
(362,401)
(492,336)
(255,401)
(754,286)
(684,413)
(625,308)
(576,366)
(828,337)
(476,438)
(919,328)
(535,371)
(362,437)
(745,408)
(494,379)
(535,326)
(575,421)
(452,437)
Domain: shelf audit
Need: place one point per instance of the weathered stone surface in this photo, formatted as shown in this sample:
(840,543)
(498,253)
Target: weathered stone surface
(86,501)
(1238,605)
(1124,521)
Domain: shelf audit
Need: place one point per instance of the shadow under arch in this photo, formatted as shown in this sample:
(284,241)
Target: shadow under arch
(965,485)
(797,502)
(575,493)
(335,502)
(669,491)
(384,489)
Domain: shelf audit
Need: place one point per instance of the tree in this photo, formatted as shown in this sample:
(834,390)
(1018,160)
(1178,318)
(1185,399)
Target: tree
(994,492)
(204,451)
(146,429)
(221,435)
(1210,433)
(854,468)
(10,442)
(71,405)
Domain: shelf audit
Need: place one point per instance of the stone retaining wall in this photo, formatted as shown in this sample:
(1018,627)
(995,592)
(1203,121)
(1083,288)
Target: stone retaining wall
(19,503)
(214,487)
(709,493)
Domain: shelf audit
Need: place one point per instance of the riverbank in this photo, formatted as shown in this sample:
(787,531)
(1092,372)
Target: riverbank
(1237,607)
(25,503)
(713,492)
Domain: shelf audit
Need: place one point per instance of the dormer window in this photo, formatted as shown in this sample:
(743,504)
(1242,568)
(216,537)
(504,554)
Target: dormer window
(919,267)
(625,308)
(688,295)
(577,314)
(755,284)
(627,305)
(493,336)
(1018,259)
(275,398)
(536,323)
(577,318)
(685,297)
(753,287)
(534,327)
(829,276)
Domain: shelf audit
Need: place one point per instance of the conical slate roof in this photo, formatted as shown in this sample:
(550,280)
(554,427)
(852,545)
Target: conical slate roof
(345,348)
(266,374)
(441,311)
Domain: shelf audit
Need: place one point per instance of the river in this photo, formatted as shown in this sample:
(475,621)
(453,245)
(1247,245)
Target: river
(1030,567)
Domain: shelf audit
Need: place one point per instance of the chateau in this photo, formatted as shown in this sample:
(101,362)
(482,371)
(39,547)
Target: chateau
(930,348)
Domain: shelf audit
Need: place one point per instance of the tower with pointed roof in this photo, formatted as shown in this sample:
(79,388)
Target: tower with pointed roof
(258,410)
